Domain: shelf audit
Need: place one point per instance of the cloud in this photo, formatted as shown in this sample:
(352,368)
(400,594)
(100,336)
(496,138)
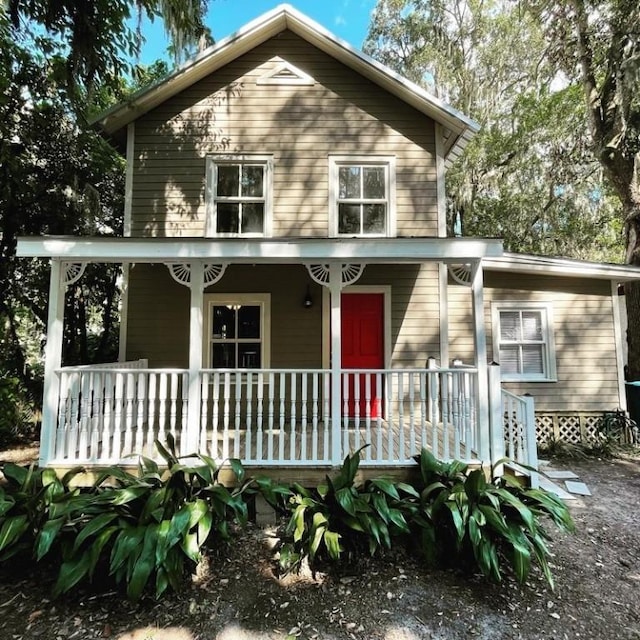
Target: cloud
(340,21)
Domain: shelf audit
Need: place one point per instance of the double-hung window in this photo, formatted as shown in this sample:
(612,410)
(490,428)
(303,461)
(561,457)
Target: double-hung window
(362,196)
(238,331)
(239,196)
(523,341)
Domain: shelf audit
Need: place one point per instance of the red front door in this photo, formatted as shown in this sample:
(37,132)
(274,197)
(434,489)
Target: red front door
(363,348)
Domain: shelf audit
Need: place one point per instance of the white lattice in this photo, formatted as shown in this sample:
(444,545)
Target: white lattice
(350,273)
(569,429)
(544,428)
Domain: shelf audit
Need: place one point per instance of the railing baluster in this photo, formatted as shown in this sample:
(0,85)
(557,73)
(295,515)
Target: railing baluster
(401,445)
(314,416)
(204,410)
(326,452)
(184,422)
(367,415)
(238,415)
(380,410)
(248,432)
(139,394)
(424,417)
(163,380)
(388,391)
(282,388)
(107,416)
(412,415)
(85,400)
(225,414)
(455,413)
(118,417)
(270,423)
(215,417)
(304,381)
(345,412)
(95,422)
(292,404)
(260,400)
(152,381)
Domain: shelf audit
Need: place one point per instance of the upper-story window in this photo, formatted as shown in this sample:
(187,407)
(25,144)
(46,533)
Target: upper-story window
(362,196)
(239,195)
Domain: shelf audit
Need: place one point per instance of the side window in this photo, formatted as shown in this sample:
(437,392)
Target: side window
(523,341)
(362,196)
(238,331)
(239,196)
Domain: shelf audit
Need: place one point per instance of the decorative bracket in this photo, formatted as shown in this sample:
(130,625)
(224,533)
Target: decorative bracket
(350,273)
(72,272)
(181,273)
(460,274)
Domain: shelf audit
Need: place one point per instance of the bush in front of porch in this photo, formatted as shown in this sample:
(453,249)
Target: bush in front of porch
(452,515)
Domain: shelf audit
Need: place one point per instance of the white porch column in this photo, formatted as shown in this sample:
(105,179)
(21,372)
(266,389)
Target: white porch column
(480,349)
(52,362)
(335,289)
(190,443)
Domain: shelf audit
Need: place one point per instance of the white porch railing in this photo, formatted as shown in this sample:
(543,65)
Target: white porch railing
(520,433)
(267,417)
(109,412)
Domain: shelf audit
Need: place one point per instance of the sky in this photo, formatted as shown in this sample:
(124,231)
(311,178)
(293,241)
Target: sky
(347,19)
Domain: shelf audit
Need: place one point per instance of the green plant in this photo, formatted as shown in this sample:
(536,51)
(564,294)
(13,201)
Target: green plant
(151,527)
(559,449)
(33,508)
(340,517)
(480,523)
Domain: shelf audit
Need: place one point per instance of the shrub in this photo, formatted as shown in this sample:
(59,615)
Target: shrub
(461,516)
(152,527)
(339,518)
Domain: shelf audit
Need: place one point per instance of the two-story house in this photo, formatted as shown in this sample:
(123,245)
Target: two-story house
(290,293)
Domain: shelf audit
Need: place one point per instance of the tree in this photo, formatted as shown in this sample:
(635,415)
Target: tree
(528,176)
(97,36)
(597,43)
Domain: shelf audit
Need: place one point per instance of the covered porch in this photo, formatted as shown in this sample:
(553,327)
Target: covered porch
(276,417)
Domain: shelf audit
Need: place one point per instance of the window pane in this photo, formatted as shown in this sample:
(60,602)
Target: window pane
(223,356)
(228,180)
(532,358)
(253,181)
(349,218)
(374,218)
(509,325)
(227,220)
(253,217)
(374,182)
(349,182)
(509,359)
(531,325)
(249,355)
(249,322)
(224,323)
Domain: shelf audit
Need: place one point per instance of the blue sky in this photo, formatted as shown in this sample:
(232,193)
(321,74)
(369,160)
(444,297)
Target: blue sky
(347,19)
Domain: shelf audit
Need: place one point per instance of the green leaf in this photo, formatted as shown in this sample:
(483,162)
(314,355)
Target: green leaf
(344,497)
(387,487)
(71,572)
(123,496)
(144,565)
(237,468)
(46,536)
(11,530)
(14,472)
(92,527)
(332,543)
(407,488)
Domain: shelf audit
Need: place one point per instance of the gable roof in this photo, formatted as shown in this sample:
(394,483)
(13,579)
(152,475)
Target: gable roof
(457,128)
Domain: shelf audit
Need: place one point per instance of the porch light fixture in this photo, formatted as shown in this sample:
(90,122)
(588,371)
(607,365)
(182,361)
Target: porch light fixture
(308,300)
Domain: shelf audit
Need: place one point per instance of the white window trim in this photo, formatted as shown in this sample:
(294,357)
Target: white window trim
(217,299)
(211,163)
(550,373)
(334,163)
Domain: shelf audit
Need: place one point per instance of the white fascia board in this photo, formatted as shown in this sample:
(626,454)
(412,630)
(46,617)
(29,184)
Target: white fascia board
(267,26)
(524,263)
(380,250)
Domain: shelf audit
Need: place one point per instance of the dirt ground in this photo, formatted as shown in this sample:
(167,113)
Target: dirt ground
(236,596)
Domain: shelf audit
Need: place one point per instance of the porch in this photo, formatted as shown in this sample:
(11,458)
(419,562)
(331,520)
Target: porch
(275,417)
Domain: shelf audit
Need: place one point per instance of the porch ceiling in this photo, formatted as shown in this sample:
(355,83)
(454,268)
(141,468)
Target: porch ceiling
(374,250)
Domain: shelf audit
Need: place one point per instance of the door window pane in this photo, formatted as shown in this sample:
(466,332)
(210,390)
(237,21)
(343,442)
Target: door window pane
(224,323)
(249,355)
(223,356)
(249,321)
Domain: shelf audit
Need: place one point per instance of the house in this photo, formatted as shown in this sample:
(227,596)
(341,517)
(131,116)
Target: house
(290,293)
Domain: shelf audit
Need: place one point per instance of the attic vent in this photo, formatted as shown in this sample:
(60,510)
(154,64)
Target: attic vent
(286,73)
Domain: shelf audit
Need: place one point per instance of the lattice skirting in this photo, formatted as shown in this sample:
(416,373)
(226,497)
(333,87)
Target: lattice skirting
(574,428)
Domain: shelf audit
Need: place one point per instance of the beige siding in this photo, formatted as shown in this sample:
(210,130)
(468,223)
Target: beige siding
(342,113)
(158,322)
(583,332)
